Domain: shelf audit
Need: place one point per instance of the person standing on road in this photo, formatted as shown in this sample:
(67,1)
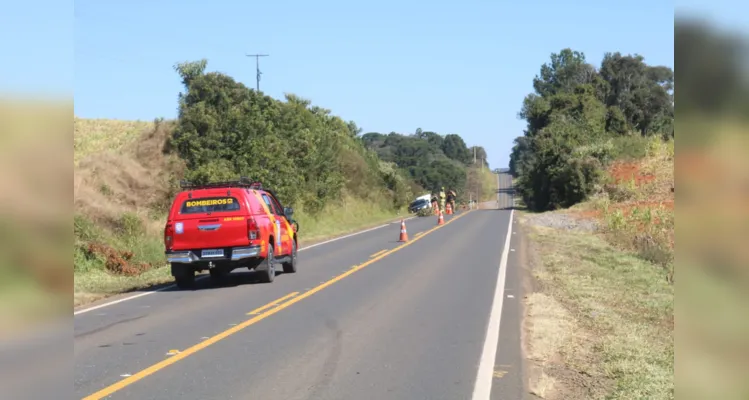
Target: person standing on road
(435,201)
(451,198)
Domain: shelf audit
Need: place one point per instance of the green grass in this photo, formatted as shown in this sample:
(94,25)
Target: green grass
(620,308)
(352,214)
(92,279)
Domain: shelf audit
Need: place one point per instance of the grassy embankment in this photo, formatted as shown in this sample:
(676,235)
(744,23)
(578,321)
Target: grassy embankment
(600,318)
(123,185)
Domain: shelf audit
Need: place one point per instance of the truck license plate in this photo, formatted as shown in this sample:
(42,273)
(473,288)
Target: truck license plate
(213,253)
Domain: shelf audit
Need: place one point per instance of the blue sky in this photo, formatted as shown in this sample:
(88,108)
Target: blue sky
(450,67)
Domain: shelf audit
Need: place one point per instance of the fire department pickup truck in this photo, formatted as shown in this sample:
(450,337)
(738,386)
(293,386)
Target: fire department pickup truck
(223,226)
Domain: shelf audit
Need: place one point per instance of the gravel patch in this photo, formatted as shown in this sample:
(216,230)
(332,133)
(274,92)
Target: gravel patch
(561,221)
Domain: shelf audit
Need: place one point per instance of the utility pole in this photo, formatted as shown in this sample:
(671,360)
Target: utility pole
(257,66)
(479,185)
(498,188)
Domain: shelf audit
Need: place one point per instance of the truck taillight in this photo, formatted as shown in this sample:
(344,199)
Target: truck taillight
(168,235)
(252,229)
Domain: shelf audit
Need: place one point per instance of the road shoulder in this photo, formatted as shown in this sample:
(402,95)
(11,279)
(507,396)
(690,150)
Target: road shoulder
(598,322)
(511,372)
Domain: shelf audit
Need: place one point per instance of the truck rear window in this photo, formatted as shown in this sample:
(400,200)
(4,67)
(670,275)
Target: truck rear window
(210,205)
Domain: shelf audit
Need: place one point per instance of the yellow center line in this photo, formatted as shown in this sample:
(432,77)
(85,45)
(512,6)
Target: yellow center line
(378,253)
(223,335)
(418,234)
(271,304)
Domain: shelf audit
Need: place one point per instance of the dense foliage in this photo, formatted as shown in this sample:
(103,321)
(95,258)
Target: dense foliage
(578,119)
(310,157)
(431,160)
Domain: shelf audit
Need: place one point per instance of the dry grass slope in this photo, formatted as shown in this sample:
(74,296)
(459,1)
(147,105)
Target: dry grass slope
(93,136)
(121,187)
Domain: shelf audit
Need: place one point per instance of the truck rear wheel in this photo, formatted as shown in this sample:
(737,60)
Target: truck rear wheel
(267,268)
(184,277)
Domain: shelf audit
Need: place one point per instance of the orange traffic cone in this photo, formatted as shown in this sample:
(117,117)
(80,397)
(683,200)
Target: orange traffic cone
(448,209)
(404,234)
(440,220)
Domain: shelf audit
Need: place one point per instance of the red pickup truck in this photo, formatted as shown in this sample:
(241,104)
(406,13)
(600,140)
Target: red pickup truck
(223,226)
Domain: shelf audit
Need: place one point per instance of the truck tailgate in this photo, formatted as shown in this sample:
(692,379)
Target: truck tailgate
(210,233)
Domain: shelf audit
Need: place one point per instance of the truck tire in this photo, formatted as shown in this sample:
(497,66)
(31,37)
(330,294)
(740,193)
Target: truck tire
(267,268)
(290,267)
(184,277)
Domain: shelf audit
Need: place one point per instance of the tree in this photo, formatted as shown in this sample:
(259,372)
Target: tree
(190,70)
(567,70)
(572,116)
(455,148)
(480,155)
(354,129)
(640,91)
(430,159)
(307,155)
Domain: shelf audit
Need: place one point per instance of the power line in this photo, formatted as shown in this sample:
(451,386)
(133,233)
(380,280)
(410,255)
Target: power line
(257,66)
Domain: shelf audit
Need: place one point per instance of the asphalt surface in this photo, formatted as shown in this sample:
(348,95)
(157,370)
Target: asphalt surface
(365,317)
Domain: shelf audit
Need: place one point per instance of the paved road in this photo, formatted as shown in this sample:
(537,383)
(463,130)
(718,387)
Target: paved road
(365,317)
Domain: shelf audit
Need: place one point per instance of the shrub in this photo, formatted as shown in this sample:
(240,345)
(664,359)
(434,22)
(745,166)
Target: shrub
(425,212)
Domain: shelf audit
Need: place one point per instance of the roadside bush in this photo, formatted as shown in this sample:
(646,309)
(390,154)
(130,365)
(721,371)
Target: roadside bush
(630,147)
(129,225)
(425,212)
(565,168)
(646,231)
(619,193)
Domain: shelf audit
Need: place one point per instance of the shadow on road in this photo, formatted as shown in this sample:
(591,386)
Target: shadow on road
(235,278)
(203,281)
(516,208)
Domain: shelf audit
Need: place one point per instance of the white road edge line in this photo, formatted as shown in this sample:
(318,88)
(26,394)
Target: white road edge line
(483,387)
(111,303)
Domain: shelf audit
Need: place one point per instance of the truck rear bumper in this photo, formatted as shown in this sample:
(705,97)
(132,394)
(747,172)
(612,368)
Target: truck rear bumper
(230,254)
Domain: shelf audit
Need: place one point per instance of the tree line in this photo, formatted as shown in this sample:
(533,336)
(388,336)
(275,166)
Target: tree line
(579,118)
(309,156)
(430,159)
